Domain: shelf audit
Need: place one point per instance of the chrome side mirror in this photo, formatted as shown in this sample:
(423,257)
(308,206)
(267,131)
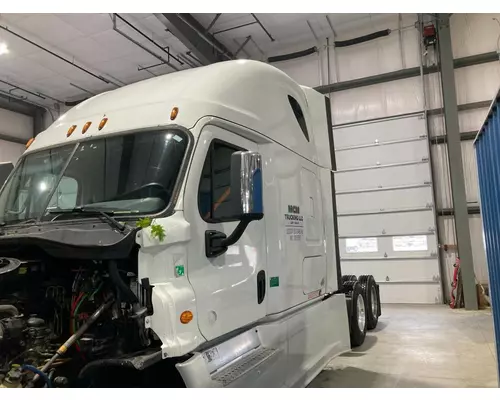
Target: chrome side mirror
(246,201)
(246,185)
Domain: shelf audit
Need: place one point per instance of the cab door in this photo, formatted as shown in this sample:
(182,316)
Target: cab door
(231,288)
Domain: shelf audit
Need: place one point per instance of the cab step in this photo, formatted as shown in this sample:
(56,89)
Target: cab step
(246,363)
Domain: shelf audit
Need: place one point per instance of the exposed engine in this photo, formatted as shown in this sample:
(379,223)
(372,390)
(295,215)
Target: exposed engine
(63,322)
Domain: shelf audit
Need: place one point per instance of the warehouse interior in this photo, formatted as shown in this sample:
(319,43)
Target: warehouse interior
(408,93)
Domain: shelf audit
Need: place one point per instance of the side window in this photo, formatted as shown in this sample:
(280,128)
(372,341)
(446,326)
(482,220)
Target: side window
(299,115)
(214,192)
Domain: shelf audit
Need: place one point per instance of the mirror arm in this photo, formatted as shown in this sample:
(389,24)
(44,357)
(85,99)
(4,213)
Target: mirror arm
(216,243)
(236,235)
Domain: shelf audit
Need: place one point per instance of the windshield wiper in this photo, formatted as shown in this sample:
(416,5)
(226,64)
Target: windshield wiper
(18,222)
(107,215)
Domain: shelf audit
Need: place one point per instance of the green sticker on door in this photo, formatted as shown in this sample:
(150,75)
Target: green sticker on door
(179,270)
(274,281)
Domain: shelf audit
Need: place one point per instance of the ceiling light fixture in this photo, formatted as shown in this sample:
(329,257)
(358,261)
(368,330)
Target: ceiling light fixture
(3,48)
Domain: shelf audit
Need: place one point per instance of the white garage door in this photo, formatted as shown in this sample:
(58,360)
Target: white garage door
(385,208)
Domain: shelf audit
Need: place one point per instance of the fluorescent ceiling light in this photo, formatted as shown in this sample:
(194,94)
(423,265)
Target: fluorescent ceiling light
(3,48)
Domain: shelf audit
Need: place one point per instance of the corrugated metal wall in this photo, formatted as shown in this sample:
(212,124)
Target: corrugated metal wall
(471,34)
(487,147)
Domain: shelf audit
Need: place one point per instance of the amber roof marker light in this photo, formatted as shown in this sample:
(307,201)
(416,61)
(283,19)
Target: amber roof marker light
(103,122)
(30,142)
(173,113)
(86,127)
(70,130)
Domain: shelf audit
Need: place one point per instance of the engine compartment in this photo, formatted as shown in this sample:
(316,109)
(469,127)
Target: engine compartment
(66,322)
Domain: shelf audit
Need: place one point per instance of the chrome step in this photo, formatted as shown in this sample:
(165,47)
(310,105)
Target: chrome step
(240,367)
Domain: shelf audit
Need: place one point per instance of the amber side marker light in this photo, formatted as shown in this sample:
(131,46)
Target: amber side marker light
(173,113)
(102,123)
(70,130)
(30,142)
(86,127)
(186,317)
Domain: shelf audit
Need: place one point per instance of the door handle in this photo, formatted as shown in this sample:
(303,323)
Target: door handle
(261,286)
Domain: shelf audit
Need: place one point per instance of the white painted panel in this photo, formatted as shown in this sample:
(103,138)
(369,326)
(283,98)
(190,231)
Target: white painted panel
(394,270)
(474,33)
(10,152)
(376,201)
(402,223)
(381,131)
(380,55)
(478,82)
(411,293)
(313,273)
(383,177)
(471,120)
(470,171)
(17,125)
(436,125)
(387,154)
(305,71)
(376,101)
(478,252)
(442,175)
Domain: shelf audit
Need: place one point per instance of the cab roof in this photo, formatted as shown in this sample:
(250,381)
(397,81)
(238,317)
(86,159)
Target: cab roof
(246,92)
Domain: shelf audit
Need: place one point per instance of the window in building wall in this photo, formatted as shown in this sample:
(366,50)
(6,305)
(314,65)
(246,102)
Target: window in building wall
(409,243)
(361,245)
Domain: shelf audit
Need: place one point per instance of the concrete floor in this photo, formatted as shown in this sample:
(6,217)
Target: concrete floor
(419,346)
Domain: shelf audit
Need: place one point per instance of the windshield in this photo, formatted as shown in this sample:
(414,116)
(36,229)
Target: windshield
(129,174)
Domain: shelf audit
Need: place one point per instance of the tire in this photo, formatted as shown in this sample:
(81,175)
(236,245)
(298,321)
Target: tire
(347,278)
(372,300)
(356,312)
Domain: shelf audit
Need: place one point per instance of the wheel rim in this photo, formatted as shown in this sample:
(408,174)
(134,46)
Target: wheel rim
(360,305)
(374,302)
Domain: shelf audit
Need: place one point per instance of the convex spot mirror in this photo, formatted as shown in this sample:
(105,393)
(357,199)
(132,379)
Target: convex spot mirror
(246,185)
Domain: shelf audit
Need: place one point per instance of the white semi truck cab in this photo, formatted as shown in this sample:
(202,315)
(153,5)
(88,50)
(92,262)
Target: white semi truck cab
(179,231)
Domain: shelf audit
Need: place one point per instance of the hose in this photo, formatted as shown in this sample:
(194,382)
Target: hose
(362,39)
(292,56)
(121,286)
(51,376)
(64,348)
(39,373)
(9,309)
(337,43)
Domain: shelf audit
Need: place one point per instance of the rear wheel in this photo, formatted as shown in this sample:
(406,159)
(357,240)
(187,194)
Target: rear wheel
(356,312)
(347,278)
(370,293)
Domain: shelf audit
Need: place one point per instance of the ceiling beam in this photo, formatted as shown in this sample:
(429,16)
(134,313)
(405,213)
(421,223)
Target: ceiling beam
(12,139)
(406,73)
(18,106)
(195,37)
